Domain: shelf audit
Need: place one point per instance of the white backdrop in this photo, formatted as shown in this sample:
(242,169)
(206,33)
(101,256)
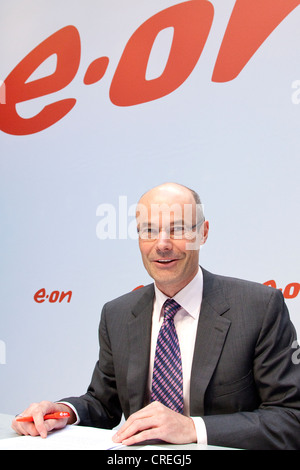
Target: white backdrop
(234,139)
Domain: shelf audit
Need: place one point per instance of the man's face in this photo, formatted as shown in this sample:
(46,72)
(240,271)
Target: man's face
(166,218)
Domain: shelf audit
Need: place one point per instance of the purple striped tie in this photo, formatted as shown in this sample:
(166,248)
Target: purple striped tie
(167,370)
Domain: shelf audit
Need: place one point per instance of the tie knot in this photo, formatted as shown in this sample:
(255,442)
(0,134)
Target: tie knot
(171,307)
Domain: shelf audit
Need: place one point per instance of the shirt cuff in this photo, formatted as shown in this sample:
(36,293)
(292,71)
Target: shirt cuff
(200,430)
(72,408)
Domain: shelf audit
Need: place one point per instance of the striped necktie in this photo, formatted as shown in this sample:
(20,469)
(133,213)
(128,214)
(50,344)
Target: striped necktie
(167,381)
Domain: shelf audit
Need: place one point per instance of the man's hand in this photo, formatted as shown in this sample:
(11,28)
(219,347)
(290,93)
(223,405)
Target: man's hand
(39,427)
(156,421)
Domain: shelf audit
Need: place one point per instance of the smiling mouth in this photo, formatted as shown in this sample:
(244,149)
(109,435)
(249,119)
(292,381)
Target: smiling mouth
(165,261)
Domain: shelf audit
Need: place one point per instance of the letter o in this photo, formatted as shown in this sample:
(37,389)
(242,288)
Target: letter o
(191,22)
(292,290)
(54,296)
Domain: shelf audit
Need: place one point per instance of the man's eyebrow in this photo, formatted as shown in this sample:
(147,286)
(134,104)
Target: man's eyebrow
(146,224)
(149,223)
(177,222)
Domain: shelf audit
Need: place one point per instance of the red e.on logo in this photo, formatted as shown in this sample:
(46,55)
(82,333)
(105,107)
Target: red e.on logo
(40,296)
(250,24)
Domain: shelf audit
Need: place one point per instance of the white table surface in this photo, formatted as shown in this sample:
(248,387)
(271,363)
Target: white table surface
(6,431)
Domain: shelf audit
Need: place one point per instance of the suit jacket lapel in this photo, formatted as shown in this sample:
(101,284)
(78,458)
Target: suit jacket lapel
(211,334)
(139,334)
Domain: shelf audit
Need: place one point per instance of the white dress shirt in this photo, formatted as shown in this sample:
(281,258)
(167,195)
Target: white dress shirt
(186,323)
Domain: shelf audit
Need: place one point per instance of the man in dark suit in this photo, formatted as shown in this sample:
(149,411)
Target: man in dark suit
(240,385)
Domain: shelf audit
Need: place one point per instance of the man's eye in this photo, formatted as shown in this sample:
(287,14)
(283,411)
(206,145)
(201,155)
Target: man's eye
(178,230)
(148,232)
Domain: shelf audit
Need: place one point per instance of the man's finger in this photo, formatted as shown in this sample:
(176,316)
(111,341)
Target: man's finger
(136,427)
(38,419)
(144,413)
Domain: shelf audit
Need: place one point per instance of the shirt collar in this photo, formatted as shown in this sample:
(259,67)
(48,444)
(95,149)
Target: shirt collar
(189,297)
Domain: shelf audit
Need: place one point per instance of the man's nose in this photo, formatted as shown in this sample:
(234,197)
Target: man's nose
(164,241)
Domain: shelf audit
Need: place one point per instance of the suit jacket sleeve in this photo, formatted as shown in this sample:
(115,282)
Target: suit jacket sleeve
(120,376)
(275,422)
(100,406)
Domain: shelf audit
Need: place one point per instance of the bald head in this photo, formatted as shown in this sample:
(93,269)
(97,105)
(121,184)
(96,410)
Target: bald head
(172,198)
(168,189)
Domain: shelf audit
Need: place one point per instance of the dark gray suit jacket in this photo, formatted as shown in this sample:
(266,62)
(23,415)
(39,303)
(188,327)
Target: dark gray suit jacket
(243,382)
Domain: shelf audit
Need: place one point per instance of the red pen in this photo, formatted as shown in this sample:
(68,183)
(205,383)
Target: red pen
(57,415)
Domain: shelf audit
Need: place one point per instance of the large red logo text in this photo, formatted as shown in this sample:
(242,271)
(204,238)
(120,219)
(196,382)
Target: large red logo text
(251,22)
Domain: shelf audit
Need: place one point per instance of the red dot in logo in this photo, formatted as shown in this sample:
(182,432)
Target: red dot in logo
(96,70)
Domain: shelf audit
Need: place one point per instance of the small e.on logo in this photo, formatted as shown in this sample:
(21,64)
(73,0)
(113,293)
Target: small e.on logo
(40,296)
